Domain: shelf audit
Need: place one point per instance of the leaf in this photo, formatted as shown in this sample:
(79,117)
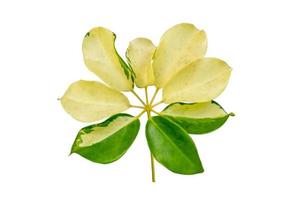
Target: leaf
(172,146)
(197,118)
(179,46)
(139,55)
(108,141)
(201,81)
(102,59)
(89,101)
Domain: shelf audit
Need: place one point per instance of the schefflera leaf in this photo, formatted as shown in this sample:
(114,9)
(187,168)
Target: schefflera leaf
(179,46)
(89,101)
(201,81)
(197,118)
(101,58)
(171,145)
(139,55)
(107,141)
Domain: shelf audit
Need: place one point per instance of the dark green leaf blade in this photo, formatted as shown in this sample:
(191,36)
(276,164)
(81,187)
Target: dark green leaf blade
(197,118)
(172,146)
(107,141)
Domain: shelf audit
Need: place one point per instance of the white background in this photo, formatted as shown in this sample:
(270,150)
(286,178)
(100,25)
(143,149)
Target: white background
(255,155)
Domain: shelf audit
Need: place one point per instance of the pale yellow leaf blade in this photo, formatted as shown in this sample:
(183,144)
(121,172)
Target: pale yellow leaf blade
(201,81)
(89,101)
(195,110)
(101,58)
(101,133)
(180,45)
(139,54)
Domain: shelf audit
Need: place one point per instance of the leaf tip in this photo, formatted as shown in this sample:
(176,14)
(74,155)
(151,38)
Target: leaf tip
(87,34)
(231,114)
(201,170)
(73,150)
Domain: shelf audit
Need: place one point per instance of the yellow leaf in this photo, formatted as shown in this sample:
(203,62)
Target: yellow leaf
(102,58)
(179,46)
(139,55)
(202,110)
(89,101)
(201,81)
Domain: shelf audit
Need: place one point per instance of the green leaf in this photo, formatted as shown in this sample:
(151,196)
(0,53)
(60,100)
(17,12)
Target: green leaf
(172,146)
(197,118)
(107,141)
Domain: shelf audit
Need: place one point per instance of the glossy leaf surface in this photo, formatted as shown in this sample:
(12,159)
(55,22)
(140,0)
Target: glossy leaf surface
(172,146)
(197,118)
(107,141)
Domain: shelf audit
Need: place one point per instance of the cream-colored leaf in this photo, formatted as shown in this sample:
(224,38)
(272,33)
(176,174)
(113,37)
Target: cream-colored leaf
(100,133)
(139,54)
(195,110)
(201,81)
(89,101)
(180,45)
(102,58)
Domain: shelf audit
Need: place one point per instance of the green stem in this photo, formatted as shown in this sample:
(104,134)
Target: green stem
(136,95)
(156,104)
(134,106)
(153,98)
(140,114)
(148,106)
(153,168)
(155,112)
(152,157)
(146,95)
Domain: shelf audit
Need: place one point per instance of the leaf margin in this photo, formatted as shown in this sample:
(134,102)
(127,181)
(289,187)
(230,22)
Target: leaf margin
(105,123)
